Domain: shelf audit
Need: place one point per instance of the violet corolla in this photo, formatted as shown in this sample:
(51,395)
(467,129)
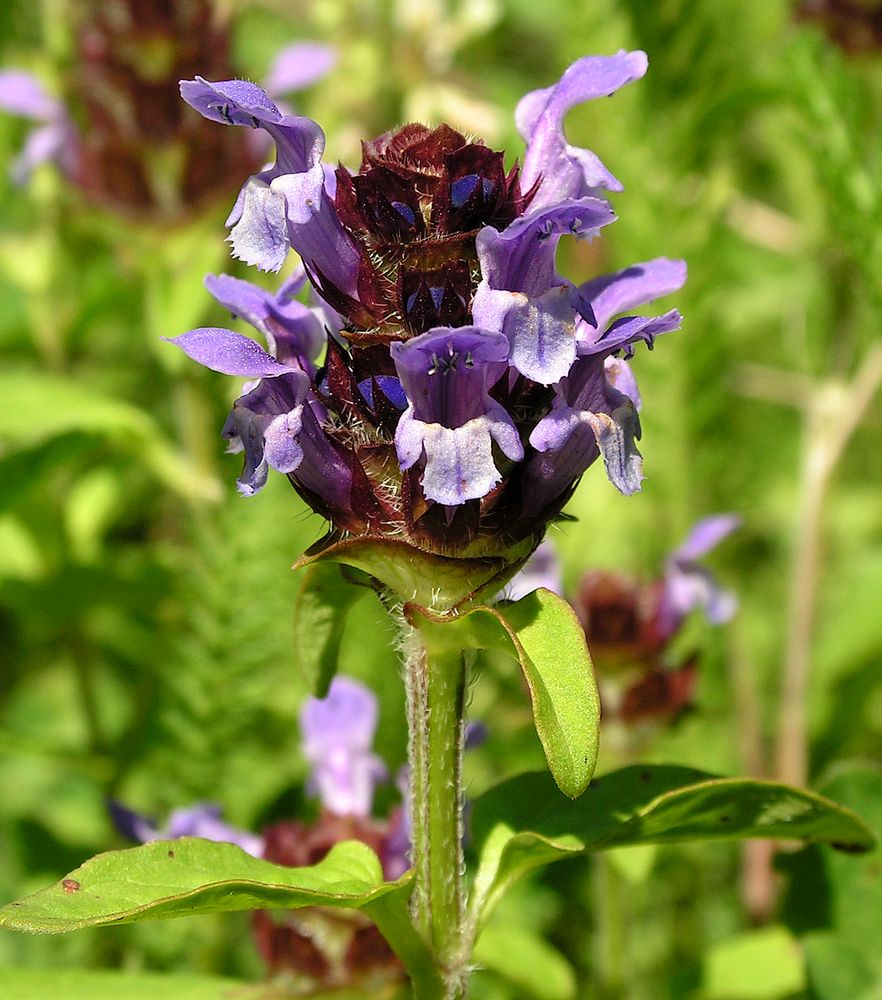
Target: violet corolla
(202,820)
(337,734)
(465,385)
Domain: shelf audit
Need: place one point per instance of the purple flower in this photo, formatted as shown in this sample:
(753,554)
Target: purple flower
(337,734)
(203,820)
(688,585)
(299,66)
(54,137)
(466,385)
(451,420)
(560,170)
(96,158)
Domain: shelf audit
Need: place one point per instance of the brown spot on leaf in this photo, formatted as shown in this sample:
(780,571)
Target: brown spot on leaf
(171,854)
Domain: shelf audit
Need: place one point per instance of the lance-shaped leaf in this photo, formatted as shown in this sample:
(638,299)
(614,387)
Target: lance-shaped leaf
(524,823)
(542,632)
(173,878)
(320,612)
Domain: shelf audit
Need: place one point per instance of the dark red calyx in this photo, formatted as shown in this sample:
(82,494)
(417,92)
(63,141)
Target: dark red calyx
(413,151)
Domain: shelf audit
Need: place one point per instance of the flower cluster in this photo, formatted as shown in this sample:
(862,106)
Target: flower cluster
(122,124)
(631,625)
(449,387)
(321,948)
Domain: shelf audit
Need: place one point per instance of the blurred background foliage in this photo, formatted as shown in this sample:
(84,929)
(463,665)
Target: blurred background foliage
(146,609)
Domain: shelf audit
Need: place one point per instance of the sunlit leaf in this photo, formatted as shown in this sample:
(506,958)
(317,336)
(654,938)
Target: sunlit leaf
(761,964)
(532,965)
(542,632)
(39,407)
(524,823)
(835,902)
(82,984)
(190,875)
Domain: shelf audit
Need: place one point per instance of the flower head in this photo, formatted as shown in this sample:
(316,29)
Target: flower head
(121,123)
(465,385)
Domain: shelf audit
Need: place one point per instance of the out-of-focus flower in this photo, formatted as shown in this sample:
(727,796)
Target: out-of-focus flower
(299,66)
(630,626)
(542,569)
(469,385)
(54,137)
(203,820)
(338,733)
(120,134)
(854,25)
(689,586)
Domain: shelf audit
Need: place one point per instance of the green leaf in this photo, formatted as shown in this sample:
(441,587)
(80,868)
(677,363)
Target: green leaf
(175,878)
(762,964)
(82,984)
(320,612)
(523,823)
(542,632)
(182,877)
(532,965)
(835,902)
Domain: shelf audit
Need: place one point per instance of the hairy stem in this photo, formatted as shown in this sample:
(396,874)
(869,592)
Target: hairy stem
(436,685)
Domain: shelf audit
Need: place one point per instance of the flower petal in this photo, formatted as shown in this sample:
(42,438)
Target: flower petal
(625,333)
(617,434)
(620,376)
(204,820)
(564,171)
(706,535)
(23,94)
(230,353)
(260,236)
(521,257)
(337,733)
(293,331)
(459,462)
(541,331)
(315,231)
(612,294)
(298,66)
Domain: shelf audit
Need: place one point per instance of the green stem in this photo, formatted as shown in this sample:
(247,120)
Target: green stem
(436,684)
